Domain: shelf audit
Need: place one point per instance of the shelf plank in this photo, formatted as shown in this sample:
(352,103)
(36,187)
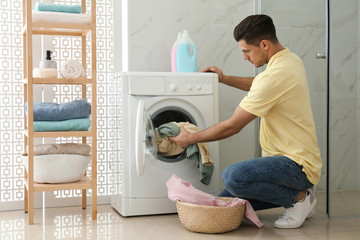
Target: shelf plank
(60,134)
(63,81)
(83,183)
(54,28)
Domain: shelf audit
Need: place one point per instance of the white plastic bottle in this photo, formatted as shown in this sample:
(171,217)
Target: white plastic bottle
(173,52)
(186,54)
(48,68)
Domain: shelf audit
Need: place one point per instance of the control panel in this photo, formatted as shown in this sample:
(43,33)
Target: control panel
(194,85)
(170,84)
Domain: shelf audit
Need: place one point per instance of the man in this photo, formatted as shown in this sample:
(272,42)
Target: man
(290,162)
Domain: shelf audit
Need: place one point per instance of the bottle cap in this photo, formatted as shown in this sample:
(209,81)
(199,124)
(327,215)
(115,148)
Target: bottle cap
(48,63)
(48,54)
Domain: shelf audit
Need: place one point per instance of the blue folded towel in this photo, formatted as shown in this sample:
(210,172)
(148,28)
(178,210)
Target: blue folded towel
(81,124)
(48,111)
(57,8)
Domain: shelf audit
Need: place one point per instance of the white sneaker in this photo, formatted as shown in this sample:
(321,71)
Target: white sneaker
(311,213)
(295,216)
(312,192)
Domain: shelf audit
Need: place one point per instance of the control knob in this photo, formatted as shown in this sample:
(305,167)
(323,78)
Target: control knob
(173,87)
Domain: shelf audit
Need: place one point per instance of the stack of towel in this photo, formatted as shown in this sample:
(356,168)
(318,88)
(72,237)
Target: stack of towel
(71,116)
(60,163)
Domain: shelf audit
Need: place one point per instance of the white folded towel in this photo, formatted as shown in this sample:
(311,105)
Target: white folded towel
(72,69)
(61,17)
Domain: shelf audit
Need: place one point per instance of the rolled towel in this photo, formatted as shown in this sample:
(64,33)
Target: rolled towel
(57,8)
(72,69)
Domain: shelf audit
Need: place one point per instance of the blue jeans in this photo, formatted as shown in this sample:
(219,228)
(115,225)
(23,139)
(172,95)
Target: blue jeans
(266,182)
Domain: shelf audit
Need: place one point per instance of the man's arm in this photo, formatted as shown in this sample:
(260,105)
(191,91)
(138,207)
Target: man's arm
(218,131)
(243,83)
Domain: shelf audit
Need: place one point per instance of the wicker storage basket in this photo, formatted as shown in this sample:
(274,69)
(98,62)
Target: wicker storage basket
(210,219)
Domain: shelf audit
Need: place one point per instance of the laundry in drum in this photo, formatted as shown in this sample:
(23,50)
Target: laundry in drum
(165,146)
(197,152)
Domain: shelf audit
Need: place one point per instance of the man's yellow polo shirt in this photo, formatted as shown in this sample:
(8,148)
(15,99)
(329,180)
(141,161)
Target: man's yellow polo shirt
(280,96)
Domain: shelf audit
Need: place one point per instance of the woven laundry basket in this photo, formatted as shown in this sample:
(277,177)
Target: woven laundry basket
(210,219)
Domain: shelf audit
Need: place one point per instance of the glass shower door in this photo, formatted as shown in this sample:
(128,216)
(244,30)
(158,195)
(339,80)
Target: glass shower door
(325,34)
(301,26)
(344,124)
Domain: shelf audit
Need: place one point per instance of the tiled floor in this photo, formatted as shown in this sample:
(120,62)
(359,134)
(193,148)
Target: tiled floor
(75,223)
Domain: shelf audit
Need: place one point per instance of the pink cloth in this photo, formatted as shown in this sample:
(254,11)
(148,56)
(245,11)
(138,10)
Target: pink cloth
(179,189)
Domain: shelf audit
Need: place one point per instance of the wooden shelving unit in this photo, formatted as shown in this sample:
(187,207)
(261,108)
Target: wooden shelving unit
(49,28)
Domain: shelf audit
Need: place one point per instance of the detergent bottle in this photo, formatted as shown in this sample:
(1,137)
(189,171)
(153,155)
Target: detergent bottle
(186,54)
(173,52)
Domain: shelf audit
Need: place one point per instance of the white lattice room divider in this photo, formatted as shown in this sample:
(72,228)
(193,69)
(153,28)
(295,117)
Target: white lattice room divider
(11,101)
(11,97)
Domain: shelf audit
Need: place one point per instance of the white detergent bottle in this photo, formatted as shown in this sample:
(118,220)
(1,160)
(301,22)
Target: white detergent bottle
(48,68)
(173,52)
(186,54)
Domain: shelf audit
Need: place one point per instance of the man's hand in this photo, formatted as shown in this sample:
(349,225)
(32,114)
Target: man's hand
(216,70)
(183,139)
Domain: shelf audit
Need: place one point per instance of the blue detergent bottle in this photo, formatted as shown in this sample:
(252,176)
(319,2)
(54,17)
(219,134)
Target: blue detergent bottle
(186,54)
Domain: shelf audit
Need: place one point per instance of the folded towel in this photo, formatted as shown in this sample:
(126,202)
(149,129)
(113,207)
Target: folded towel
(57,8)
(81,124)
(196,152)
(72,69)
(179,189)
(62,148)
(61,17)
(47,111)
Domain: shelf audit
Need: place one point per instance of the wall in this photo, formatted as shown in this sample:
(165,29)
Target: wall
(153,27)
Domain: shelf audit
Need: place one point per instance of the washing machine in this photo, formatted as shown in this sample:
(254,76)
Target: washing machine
(146,101)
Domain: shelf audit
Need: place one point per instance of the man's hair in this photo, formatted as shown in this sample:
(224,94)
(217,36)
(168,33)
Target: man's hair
(254,29)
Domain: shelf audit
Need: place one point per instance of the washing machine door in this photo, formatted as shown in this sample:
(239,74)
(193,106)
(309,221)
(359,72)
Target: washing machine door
(145,142)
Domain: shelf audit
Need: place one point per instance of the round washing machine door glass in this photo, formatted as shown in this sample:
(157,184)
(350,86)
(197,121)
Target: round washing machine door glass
(166,115)
(145,142)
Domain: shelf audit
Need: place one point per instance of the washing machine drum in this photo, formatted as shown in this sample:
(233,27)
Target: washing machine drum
(171,115)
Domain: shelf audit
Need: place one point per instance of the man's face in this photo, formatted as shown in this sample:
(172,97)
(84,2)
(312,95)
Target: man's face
(254,54)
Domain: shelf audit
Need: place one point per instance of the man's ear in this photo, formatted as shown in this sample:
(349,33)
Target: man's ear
(265,44)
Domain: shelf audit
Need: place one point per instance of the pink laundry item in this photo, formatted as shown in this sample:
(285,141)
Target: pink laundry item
(179,189)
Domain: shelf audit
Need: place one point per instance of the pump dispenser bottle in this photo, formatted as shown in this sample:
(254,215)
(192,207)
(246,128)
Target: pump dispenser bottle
(48,68)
